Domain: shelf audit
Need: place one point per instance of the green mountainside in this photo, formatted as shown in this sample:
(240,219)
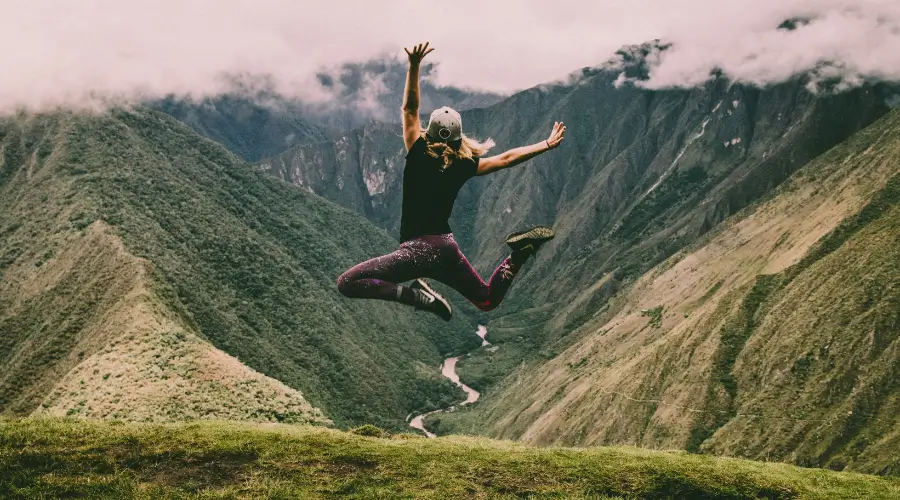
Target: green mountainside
(583,353)
(129,244)
(641,174)
(773,337)
(250,128)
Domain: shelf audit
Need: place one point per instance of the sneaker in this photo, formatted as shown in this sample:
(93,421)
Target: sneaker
(530,240)
(429,300)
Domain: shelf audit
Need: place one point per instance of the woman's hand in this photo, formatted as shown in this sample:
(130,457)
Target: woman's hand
(556,136)
(418,53)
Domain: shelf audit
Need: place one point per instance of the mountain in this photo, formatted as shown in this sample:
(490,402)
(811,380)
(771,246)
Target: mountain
(645,174)
(148,273)
(257,124)
(252,128)
(54,458)
(373,91)
(362,171)
(775,336)
(642,176)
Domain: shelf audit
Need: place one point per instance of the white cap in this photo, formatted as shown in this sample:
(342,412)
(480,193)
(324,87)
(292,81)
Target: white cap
(445,125)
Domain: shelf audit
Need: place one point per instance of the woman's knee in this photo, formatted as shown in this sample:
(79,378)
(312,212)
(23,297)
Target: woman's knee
(480,297)
(485,305)
(344,283)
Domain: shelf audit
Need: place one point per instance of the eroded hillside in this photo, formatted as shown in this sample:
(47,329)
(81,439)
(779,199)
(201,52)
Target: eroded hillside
(774,337)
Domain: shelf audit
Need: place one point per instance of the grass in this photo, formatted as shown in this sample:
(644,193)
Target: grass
(56,458)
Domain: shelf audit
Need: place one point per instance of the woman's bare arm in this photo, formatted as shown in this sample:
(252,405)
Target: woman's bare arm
(412,128)
(519,155)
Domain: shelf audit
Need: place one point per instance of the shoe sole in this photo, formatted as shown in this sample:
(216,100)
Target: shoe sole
(438,297)
(536,234)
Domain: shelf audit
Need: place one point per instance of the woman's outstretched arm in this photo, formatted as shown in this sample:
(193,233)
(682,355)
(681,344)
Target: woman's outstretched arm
(516,156)
(410,111)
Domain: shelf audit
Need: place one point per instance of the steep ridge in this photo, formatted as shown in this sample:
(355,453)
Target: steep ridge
(83,334)
(774,337)
(645,174)
(138,256)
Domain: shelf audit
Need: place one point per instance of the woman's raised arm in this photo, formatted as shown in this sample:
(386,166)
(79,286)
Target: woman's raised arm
(410,110)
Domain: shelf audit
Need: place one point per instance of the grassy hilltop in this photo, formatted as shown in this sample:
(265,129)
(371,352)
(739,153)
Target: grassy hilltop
(55,458)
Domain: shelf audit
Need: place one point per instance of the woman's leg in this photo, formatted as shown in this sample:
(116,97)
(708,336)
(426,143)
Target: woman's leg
(456,271)
(379,278)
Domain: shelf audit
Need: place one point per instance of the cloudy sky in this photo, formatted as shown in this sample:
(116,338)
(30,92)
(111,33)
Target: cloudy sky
(61,52)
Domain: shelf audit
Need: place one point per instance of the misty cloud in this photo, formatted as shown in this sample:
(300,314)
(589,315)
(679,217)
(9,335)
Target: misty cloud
(843,43)
(90,51)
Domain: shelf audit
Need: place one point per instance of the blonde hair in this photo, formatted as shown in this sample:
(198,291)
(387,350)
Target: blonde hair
(468,148)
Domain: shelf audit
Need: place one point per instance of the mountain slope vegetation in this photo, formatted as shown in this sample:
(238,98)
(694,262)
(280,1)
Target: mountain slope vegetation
(588,349)
(641,175)
(126,235)
(775,336)
(251,128)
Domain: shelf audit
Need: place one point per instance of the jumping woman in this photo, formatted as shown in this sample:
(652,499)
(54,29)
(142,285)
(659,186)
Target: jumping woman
(439,160)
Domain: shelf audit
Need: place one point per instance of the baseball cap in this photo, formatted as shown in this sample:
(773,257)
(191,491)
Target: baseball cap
(445,125)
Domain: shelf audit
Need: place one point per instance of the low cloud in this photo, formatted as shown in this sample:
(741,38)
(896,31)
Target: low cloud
(80,53)
(840,42)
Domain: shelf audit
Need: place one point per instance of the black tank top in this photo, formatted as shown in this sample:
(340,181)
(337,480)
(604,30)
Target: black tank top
(429,191)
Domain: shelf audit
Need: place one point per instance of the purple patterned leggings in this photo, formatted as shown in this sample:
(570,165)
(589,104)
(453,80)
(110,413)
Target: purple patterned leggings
(432,256)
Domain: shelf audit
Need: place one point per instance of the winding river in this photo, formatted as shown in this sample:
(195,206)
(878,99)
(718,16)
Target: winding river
(448,369)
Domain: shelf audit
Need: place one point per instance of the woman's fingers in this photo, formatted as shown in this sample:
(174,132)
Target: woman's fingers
(419,51)
(559,130)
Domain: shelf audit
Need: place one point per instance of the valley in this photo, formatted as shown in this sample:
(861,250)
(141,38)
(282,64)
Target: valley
(448,370)
(722,280)
(684,219)
(629,202)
